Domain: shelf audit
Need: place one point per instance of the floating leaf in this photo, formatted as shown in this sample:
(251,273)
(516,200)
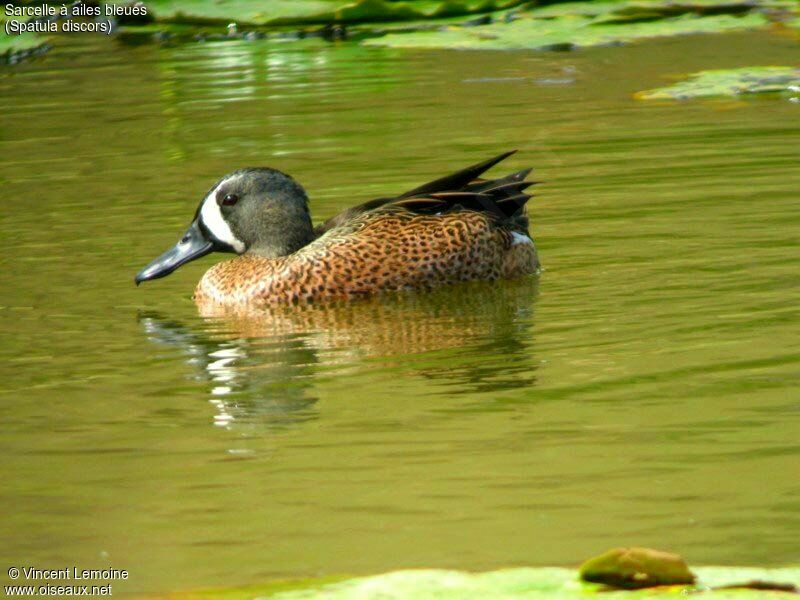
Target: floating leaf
(283,12)
(569,25)
(730,82)
(506,584)
(251,12)
(565,32)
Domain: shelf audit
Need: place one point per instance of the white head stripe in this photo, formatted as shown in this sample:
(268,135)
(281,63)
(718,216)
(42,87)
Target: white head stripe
(212,218)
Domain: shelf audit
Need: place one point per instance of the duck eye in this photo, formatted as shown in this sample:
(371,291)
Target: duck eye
(229,200)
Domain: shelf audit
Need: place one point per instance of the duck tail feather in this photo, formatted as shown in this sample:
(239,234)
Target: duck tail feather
(457,180)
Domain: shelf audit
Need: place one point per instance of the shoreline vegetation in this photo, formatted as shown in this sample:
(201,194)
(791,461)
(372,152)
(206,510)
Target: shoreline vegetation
(453,25)
(444,24)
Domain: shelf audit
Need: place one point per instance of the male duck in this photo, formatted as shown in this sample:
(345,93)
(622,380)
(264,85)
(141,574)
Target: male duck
(456,228)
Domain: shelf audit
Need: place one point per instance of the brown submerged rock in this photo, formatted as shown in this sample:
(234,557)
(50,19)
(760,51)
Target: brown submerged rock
(636,568)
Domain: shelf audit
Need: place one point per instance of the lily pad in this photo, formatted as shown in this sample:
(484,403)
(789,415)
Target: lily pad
(565,32)
(505,584)
(636,10)
(730,82)
(294,12)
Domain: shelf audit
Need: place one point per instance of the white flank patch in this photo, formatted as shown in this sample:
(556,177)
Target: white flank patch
(520,238)
(212,218)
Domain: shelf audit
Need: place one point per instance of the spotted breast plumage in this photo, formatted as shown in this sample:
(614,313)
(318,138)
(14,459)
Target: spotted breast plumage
(457,228)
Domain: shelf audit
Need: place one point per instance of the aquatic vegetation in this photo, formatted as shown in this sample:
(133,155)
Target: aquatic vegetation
(298,12)
(16,47)
(730,82)
(626,11)
(456,24)
(274,12)
(582,24)
(528,583)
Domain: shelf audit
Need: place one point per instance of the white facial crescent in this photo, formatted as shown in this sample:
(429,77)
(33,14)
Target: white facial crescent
(211,217)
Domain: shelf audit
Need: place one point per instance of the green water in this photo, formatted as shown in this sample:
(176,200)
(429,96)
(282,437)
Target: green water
(643,391)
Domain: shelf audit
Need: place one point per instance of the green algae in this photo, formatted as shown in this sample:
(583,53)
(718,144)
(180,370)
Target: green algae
(730,82)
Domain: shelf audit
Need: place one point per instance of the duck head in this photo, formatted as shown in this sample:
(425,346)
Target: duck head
(255,210)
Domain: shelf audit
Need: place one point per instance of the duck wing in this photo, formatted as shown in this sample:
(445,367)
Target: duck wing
(502,197)
(457,180)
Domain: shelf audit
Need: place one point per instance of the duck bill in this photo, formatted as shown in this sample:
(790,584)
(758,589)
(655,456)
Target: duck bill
(194,244)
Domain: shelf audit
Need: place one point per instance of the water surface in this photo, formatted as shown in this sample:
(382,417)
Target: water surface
(642,391)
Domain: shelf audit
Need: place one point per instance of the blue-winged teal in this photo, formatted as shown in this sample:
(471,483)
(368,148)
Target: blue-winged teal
(456,228)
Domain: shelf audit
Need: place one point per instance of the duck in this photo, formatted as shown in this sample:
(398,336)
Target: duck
(460,227)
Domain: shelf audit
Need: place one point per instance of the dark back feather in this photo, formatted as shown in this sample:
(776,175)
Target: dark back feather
(504,197)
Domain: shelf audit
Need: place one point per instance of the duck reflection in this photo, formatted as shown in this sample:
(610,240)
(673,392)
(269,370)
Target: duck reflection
(262,366)
(249,381)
